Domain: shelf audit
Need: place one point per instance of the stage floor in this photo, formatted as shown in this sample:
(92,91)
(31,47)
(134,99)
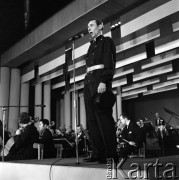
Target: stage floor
(68,169)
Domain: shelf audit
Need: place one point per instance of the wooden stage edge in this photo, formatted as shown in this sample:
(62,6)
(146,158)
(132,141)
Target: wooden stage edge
(68,169)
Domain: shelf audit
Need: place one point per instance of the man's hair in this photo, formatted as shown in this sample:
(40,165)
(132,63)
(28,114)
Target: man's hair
(24,118)
(124,115)
(45,121)
(99,22)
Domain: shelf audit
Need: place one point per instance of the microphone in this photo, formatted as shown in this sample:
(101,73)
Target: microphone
(76,37)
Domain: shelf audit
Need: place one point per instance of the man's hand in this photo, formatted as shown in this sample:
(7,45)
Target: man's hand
(132,143)
(18,132)
(101,87)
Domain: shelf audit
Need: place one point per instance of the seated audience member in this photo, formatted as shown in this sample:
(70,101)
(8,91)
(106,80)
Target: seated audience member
(46,138)
(24,139)
(131,135)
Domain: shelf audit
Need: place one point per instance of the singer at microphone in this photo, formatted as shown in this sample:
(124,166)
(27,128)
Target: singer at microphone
(100,62)
(76,37)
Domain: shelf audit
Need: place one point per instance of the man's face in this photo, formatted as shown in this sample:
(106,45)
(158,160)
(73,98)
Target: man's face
(157,115)
(68,129)
(23,125)
(78,129)
(123,120)
(41,126)
(94,29)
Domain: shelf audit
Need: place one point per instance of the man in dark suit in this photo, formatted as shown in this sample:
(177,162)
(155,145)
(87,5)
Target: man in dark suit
(159,121)
(46,139)
(100,62)
(132,135)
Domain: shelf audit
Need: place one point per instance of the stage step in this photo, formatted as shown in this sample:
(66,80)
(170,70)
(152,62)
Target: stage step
(67,169)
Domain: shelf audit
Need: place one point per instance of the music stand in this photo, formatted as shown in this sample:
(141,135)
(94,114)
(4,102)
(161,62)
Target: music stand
(63,141)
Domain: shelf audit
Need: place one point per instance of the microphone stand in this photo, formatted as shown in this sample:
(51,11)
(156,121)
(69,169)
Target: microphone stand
(3,124)
(75,99)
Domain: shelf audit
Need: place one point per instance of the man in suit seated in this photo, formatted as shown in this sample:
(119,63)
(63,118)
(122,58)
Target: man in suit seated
(46,139)
(131,135)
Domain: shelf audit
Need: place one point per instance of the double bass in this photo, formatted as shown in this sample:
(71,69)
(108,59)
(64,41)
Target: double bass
(7,147)
(9,144)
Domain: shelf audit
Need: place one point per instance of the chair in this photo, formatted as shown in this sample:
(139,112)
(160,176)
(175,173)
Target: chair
(59,148)
(40,148)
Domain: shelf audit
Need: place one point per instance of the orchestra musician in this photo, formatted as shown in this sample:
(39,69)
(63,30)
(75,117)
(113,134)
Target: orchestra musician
(46,139)
(52,127)
(119,128)
(160,125)
(131,135)
(70,136)
(81,140)
(24,139)
(6,135)
(159,121)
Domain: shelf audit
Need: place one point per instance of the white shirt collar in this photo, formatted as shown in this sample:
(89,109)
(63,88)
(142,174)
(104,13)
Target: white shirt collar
(127,123)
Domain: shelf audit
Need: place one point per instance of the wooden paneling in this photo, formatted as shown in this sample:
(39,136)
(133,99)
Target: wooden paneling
(149,17)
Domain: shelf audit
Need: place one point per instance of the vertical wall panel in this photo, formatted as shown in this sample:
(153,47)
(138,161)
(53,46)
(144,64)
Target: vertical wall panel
(47,100)
(74,110)
(14,100)
(82,111)
(62,113)
(115,112)
(38,100)
(4,89)
(24,98)
(119,101)
(67,110)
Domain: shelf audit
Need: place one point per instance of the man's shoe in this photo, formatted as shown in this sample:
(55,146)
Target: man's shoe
(91,159)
